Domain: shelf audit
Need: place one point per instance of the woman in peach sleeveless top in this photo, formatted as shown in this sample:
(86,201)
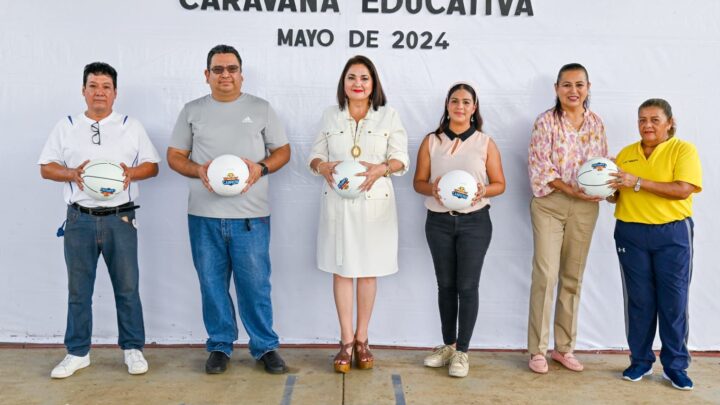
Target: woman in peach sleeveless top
(458,240)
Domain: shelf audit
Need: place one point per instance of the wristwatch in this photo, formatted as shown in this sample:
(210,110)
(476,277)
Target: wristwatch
(637,185)
(265,169)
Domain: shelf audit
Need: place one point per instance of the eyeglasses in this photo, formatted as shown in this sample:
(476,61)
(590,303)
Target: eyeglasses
(218,70)
(96,132)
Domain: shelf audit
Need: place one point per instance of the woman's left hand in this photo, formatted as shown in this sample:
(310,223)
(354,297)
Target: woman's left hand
(622,179)
(480,193)
(373,172)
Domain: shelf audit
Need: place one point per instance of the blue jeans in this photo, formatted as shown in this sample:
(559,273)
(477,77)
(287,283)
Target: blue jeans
(86,237)
(239,248)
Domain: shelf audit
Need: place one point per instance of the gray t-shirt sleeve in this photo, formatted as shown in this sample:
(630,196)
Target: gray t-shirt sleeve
(274,131)
(182,133)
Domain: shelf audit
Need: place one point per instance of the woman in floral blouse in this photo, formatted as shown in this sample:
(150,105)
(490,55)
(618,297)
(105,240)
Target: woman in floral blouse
(563,216)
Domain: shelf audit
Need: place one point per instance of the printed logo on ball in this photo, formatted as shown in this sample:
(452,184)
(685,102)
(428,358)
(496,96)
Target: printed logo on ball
(344,184)
(599,166)
(460,192)
(230,179)
(107,191)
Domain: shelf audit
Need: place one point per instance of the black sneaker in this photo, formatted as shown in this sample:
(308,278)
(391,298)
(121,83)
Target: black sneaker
(274,364)
(678,378)
(216,363)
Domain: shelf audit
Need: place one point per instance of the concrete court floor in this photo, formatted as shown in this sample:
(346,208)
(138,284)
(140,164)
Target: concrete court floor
(177,376)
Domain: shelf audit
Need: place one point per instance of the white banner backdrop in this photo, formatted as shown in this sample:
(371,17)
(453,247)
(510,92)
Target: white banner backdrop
(633,51)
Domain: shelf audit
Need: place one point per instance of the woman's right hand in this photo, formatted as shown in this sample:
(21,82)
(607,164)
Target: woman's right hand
(327,169)
(579,193)
(572,191)
(436,191)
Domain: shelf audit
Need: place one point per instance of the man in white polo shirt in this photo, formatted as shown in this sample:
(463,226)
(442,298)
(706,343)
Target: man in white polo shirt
(231,235)
(94,227)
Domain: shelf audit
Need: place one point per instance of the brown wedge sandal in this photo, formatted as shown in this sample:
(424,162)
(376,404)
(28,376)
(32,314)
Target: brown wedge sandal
(343,359)
(364,359)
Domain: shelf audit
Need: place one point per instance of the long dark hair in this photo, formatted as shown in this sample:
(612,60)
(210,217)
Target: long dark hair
(377,96)
(663,105)
(476,120)
(570,66)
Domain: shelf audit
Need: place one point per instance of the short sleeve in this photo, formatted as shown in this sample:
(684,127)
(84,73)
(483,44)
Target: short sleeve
(52,151)
(687,166)
(274,131)
(146,150)
(181,137)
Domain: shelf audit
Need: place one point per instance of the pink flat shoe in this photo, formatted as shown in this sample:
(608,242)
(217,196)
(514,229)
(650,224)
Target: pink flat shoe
(538,364)
(568,360)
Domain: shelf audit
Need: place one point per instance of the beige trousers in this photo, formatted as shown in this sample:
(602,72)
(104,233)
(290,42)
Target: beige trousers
(562,231)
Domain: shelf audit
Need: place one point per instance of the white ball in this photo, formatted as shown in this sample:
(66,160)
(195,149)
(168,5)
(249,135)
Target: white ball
(346,181)
(227,175)
(457,189)
(593,176)
(102,179)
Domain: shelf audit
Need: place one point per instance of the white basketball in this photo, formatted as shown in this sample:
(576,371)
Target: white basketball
(102,179)
(346,181)
(593,176)
(457,189)
(227,175)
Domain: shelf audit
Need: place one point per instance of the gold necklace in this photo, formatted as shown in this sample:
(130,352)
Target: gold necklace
(355,151)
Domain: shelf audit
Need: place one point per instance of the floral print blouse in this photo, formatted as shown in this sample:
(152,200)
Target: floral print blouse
(557,150)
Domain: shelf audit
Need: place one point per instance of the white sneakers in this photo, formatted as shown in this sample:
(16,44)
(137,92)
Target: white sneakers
(134,360)
(69,365)
(440,356)
(459,365)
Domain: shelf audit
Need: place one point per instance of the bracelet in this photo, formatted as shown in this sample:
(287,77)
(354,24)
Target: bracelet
(387,171)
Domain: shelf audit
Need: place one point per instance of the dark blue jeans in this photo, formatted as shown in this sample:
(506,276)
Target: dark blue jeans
(239,248)
(115,237)
(458,245)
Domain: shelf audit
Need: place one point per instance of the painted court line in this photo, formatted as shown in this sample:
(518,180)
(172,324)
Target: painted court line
(397,387)
(289,385)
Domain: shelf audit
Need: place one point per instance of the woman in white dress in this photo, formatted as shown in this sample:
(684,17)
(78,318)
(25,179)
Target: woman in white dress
(358,238)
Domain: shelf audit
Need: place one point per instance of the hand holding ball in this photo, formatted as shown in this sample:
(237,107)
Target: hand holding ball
(457,189)
(227,175)
(103,179)
(345,179)
(593,177)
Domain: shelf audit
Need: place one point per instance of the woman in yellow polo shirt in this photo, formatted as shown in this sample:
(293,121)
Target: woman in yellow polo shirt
(654,241)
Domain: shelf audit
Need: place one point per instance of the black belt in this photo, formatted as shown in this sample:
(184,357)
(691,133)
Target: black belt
(460,214)
(103,211)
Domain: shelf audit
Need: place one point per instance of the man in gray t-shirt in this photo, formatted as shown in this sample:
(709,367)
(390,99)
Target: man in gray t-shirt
(231,235)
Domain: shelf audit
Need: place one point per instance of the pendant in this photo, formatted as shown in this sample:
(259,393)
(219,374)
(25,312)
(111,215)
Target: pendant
(355,151)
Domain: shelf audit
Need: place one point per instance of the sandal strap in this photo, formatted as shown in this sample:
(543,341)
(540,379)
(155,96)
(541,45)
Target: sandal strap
(363,351)
(343,357)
